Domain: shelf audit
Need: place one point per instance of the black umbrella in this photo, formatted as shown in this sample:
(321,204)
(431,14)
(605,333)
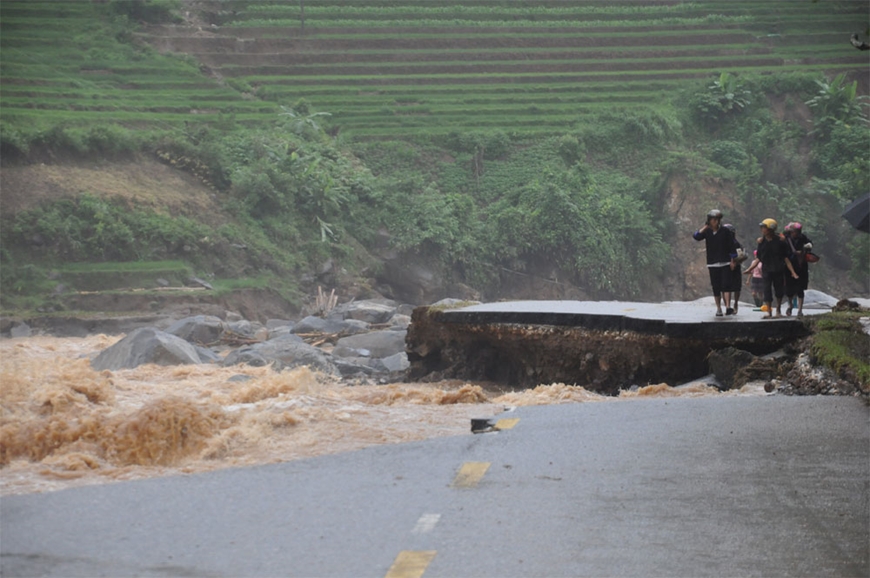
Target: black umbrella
(858,213)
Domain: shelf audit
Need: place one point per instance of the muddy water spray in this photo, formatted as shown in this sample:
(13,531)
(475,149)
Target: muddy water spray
(64,424)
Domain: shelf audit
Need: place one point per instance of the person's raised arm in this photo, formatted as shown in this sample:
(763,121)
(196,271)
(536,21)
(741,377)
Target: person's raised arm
(752,266)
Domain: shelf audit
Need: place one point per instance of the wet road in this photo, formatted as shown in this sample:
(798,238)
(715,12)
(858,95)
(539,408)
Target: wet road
(685,319)
(714,486)
(700,311)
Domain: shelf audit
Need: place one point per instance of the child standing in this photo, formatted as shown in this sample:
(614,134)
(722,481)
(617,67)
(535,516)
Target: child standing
(756,284)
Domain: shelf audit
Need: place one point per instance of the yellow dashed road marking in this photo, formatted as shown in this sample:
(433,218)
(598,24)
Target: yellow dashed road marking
(469,474)
(506,423)
(411,563)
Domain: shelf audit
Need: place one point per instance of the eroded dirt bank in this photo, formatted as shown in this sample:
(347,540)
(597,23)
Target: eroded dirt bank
(603,360)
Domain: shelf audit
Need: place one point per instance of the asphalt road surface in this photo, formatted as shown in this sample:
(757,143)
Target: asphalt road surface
(715,486)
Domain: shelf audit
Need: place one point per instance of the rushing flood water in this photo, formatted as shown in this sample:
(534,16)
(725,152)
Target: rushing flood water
(63,424)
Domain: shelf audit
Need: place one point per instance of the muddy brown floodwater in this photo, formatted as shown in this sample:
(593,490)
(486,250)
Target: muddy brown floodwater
(62,424)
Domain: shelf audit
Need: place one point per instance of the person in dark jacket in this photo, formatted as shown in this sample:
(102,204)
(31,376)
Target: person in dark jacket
(721,253)
(736,273)
(772,254)
(798,247)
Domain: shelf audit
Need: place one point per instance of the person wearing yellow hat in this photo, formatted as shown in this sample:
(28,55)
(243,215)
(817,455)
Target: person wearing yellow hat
(772,255)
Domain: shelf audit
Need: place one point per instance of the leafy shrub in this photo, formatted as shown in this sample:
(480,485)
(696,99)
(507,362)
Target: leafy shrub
(92,228)
(240,85)
(726,96)
(200,153)
(729,154)
(63,139)
(802,84)
(843,156)
(255,189)
(620,137)
(111,140)
(578,227)
(14,142)
(151,11)
(571,149)
(836,103)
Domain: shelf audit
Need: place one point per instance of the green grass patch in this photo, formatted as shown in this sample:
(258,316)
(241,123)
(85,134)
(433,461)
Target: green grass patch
(287,289)
(125,275)
(839,343)
(150,267)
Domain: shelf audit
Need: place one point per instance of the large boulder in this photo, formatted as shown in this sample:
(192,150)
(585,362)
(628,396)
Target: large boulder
(396,363)
(248,329)
(278,332)
(375,344)
(734,368)
(313,324)
(725,363)
(20,330)
(146,345)
(400,322)
(370,310)
(201,329)
(207,355)
(250,356)
(285,351)
(409,279)
(349,367)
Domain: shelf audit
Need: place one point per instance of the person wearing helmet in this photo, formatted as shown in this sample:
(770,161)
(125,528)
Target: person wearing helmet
(798,245)
(721,253)
(772,254)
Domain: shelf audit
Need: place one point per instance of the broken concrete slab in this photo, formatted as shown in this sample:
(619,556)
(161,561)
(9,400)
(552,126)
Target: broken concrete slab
(603,346)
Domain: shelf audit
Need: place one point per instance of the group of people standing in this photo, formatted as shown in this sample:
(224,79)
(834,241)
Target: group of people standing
(780,267)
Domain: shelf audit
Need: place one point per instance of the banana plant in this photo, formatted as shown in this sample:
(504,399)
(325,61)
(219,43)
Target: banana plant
(837,102)
(724,97)
(729,92)
(303,124)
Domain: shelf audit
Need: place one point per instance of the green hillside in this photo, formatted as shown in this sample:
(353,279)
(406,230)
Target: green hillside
(493,141)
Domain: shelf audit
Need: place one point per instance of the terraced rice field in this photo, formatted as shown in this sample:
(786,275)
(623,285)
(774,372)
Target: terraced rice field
(400,67)
(58,66)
